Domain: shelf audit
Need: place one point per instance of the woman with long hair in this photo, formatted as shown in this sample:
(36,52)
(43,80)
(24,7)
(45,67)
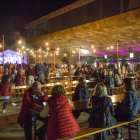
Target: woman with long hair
(5,91)
(103,114)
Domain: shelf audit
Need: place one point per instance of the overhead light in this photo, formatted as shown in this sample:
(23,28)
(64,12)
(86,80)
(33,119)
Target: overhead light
(23,47)
(92,46)
(47,48)
(39,55)
(51,54)
(94,50)
(27,49)
(65,54)
(19,42)
(58,49)
(111,47)
(107,48)
(0,46)
(47,43)
(19,50)
(34,55)
(24,52)
(39,49)
(47,53)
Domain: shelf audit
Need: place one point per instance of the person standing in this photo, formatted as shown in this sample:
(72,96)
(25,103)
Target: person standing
(29,74)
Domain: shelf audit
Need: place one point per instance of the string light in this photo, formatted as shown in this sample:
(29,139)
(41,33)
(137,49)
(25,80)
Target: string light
(111,47)
(24,52)
(94,50)
(19,42)
(107,48)
(58,49)
(39,49)
(92,46)
(47,48)
(65,54)
(0,46)
(51,54)
(47,43)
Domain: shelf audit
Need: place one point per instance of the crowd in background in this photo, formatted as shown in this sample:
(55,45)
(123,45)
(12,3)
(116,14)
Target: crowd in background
(33,97)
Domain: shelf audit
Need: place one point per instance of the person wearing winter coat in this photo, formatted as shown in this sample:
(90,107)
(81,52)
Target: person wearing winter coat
(81,93)
(100,101)
(33,98)
(127,109)
(109,81)
(61,123)
(117,79)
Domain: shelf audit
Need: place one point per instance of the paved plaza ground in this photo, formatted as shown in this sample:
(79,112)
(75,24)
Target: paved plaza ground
(10,130)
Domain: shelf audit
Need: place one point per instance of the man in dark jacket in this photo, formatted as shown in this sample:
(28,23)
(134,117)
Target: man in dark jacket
(81,93)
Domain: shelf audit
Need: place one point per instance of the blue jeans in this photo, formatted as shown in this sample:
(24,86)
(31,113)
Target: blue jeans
(16,90)
(5,104)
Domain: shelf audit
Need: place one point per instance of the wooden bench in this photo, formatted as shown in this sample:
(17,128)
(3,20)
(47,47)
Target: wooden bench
(13,100)
(92,131)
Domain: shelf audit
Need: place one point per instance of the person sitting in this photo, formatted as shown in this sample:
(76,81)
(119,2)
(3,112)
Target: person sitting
(61,122)
(81,93)
(127,109)
(109,81)
(102,106)
(117,79)
(33,99)
(29,74)
(5,91)
(41,77)
(94,75)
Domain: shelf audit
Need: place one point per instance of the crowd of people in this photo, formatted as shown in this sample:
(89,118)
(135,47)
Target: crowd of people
(61,121)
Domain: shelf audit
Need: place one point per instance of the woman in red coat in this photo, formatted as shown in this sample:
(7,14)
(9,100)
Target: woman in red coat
(61,120)
(5,91)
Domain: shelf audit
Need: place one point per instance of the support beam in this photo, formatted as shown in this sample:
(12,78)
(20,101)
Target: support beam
(118,55)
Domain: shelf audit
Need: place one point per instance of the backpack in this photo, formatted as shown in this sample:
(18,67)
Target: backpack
(98,117)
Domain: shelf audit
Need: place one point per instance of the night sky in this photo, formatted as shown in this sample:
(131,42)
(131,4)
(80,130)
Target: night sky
(14,14)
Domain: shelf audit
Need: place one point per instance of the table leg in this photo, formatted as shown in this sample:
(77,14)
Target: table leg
(129,126)
(138,130)
(34,129)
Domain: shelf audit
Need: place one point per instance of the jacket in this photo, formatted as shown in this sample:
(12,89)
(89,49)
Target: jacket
(61,122)
(109,81)
(5,90)
(43,68)
(117,79)
(19,79)
(29,73)
(27,103)
(130,103)
(41,78)
(108,107)
(81,93)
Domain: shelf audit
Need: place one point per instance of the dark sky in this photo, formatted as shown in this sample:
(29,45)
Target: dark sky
(14,14)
